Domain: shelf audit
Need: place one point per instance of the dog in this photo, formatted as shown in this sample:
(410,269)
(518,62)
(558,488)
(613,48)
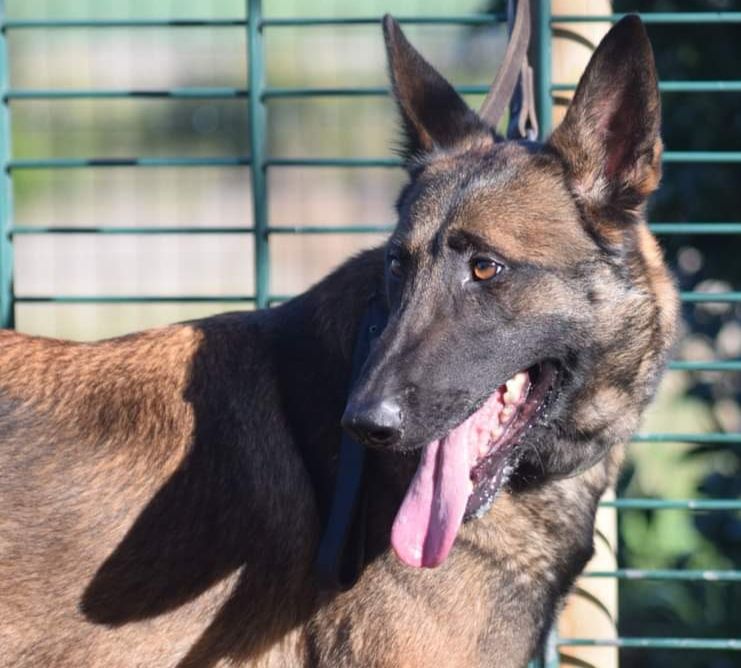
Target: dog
(164,493)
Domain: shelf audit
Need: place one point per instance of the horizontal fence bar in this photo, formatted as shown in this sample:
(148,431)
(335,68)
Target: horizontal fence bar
(211,93)
(308,229)
(666,574)
(311,92)
(344,229)
(470,19)
(719,365)
(81,163)
(654,643)
(94,94)
(654,17)
(669,156)
(383,162)
(277,22)
(657,228)
(680,87)
(701,297)
(335,162)
(713,437)
(365,91)
(702,156)
(482,89)
(134,299)
(339,91)
(128,230)
(673,504)
(695,228)
(36,24)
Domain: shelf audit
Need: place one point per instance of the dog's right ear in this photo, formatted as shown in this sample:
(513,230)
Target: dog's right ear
(432,113)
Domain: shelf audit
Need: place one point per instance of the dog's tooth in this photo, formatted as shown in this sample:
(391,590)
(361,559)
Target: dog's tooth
(507,412)
(496,432)
(515,385)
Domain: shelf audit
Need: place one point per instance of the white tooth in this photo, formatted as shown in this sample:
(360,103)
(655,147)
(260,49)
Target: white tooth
(496,432)
(515,386)
(507,412)
(483,449)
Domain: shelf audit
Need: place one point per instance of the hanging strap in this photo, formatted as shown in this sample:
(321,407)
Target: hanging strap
(514,80)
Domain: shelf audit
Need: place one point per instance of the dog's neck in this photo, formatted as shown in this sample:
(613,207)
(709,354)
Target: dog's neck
(313,349)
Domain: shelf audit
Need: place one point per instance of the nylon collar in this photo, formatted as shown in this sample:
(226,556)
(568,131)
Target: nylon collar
(341,554)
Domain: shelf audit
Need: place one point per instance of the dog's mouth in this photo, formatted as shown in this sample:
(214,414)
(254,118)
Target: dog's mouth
(460,474)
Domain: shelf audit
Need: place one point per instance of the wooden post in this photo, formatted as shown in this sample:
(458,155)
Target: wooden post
(591,609)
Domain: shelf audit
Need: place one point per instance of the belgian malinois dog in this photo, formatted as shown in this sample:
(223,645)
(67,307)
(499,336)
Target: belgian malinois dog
(163,493)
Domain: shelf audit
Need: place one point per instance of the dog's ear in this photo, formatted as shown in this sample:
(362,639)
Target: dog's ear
(609,138)
(432,113)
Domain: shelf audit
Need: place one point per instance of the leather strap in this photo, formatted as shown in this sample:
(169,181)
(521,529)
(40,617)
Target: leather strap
(514,80)
(341,553)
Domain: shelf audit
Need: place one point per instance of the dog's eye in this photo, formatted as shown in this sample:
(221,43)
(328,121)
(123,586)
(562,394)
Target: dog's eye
(484,269)
(395,267)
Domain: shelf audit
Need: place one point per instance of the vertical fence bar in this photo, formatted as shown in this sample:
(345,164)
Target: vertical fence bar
(552,658)
(7,309)
(257,130)
(542,34)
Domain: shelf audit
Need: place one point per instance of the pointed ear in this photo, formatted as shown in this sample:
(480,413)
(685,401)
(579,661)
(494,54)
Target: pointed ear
(433,115)
(609,138)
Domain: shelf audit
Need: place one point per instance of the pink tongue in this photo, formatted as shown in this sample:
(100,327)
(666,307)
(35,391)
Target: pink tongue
(432,511)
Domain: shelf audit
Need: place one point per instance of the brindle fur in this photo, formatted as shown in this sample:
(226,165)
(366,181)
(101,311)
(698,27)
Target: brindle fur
(162,493)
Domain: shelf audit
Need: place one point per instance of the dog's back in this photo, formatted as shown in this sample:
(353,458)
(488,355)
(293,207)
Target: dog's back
(133,493)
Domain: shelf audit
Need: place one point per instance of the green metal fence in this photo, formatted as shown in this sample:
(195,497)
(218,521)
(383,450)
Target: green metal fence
(258,94)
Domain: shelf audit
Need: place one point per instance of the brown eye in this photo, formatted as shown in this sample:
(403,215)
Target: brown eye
(395,267)
(484,269)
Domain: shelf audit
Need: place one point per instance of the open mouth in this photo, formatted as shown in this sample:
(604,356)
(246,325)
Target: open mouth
(459,475)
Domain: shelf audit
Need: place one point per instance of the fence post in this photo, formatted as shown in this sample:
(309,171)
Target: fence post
(7,309)
(541,32)
(258,141)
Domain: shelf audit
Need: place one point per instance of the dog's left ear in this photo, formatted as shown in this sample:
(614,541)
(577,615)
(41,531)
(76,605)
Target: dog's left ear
(432,113)
(609,138)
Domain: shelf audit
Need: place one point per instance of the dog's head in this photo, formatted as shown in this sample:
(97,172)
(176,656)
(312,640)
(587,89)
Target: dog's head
(529,308)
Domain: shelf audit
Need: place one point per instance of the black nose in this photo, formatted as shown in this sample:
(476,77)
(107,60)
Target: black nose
(374,424)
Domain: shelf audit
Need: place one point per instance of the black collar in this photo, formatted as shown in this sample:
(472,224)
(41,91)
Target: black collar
(341,553)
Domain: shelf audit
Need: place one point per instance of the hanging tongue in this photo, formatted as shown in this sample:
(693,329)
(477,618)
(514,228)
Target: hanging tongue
(432,511)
